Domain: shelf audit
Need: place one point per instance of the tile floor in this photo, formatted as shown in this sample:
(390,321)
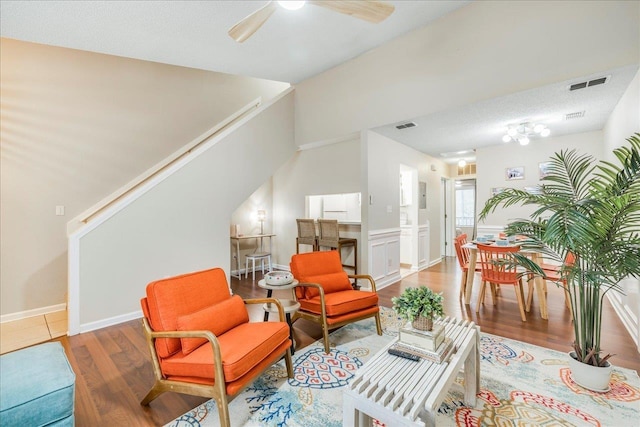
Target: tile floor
(32,330)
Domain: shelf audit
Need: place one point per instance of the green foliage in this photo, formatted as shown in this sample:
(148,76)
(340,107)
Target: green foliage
(590,210)
(414,302)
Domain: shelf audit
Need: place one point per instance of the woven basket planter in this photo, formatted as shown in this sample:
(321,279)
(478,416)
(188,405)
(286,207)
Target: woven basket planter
(423,323)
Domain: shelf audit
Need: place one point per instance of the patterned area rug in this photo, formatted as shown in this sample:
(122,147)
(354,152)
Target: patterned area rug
(521,384)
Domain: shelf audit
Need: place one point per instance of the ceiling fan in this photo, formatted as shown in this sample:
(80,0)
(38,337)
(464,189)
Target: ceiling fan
(372,11)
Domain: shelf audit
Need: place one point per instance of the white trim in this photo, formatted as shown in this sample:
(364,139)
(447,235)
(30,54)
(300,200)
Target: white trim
(95,210)
(385,231)
(627,319)
(73,267)
(330,141)
(388,280)
(31,313)
(99,324)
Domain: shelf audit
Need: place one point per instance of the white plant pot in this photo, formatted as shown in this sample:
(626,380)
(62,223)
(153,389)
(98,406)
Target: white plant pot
(595,378)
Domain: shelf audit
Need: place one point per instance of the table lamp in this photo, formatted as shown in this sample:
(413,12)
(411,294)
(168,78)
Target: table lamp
(262,216)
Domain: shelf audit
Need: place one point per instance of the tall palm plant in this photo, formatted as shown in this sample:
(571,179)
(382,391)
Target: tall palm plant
(590,210)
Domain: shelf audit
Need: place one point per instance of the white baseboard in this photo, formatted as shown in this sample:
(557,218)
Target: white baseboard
(92,326)
(31,313)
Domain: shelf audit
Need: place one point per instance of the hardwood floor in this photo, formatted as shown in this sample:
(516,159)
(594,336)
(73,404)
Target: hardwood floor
(113,368)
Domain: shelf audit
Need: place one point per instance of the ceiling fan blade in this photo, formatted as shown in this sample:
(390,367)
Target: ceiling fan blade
(372,11)
(249,25)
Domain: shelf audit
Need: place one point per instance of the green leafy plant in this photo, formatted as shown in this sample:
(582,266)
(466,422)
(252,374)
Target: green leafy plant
(414,302)
(591,210)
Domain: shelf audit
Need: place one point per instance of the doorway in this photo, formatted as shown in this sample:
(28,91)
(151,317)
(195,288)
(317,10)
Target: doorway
(408,203)
(446,216)
(465,207)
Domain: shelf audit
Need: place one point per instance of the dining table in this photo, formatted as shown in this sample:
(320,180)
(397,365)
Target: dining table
(537,280)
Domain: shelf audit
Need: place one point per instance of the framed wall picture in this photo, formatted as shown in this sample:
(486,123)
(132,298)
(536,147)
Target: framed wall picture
(496,190)
(543,169)
(514,173)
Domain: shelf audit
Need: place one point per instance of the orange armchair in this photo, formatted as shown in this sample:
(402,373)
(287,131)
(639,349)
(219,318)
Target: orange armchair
(201,340)
(326,295)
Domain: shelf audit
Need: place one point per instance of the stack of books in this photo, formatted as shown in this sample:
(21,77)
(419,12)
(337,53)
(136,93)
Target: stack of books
(432,345)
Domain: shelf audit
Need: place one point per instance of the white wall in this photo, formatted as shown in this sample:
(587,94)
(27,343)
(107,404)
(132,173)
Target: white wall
(624,122)
(329,169)
(385,157)
(510,46)
(246,217)
(492,161)
(182,224)
(74,127)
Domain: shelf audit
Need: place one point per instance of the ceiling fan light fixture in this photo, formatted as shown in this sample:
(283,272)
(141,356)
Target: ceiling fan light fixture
(545,132)
(291,4)
(506,138)
(524,140)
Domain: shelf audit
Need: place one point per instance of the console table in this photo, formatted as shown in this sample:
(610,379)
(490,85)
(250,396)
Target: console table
(401,392)
(236,240)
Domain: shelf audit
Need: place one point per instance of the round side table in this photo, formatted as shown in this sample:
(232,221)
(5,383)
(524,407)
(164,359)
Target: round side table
(289,305)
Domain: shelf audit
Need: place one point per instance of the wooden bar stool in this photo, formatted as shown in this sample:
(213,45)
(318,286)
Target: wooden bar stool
(330,238)
(306,234)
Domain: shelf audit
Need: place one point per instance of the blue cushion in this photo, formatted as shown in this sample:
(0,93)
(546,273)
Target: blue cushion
(37,387)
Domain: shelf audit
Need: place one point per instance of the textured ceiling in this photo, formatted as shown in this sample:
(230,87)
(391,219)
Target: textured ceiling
(290,47)
(293,46)
(484,123)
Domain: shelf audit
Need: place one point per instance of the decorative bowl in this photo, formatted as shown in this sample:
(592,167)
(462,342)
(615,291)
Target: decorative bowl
(275,278)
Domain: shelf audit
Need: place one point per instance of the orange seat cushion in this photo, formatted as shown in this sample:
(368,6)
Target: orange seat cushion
(242,348)
(218,319)
(339,303)
(170,298)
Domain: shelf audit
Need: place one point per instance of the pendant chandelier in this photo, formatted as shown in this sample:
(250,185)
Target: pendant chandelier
(524,131)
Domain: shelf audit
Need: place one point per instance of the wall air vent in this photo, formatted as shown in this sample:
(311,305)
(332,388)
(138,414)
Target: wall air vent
(406,125)
(576,115)
(594,82)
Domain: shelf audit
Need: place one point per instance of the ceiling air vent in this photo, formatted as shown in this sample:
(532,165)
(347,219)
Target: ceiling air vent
(406,125)
(576,86)
(594,82)
(576,115)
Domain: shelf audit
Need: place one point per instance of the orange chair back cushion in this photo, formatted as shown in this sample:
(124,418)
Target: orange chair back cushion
(218,319)
(323,267)
(170,298)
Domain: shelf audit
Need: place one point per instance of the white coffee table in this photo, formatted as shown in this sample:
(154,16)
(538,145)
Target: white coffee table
(401,392)
(289,305)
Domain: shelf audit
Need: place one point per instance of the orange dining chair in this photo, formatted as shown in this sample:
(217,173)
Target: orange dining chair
(554,273)
(462,254)
(498,268)
(327,296)
(201,340)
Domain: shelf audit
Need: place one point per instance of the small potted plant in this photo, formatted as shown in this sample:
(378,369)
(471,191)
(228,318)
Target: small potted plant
(419,306)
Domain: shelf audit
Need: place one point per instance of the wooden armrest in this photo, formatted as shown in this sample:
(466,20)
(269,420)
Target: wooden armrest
(364,276)
(208,335)
(267,300)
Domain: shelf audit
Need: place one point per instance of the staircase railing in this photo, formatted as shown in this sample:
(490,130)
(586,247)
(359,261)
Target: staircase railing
(152,172)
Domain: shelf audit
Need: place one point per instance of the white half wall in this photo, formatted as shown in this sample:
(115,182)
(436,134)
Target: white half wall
(385,157)
(182,224)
